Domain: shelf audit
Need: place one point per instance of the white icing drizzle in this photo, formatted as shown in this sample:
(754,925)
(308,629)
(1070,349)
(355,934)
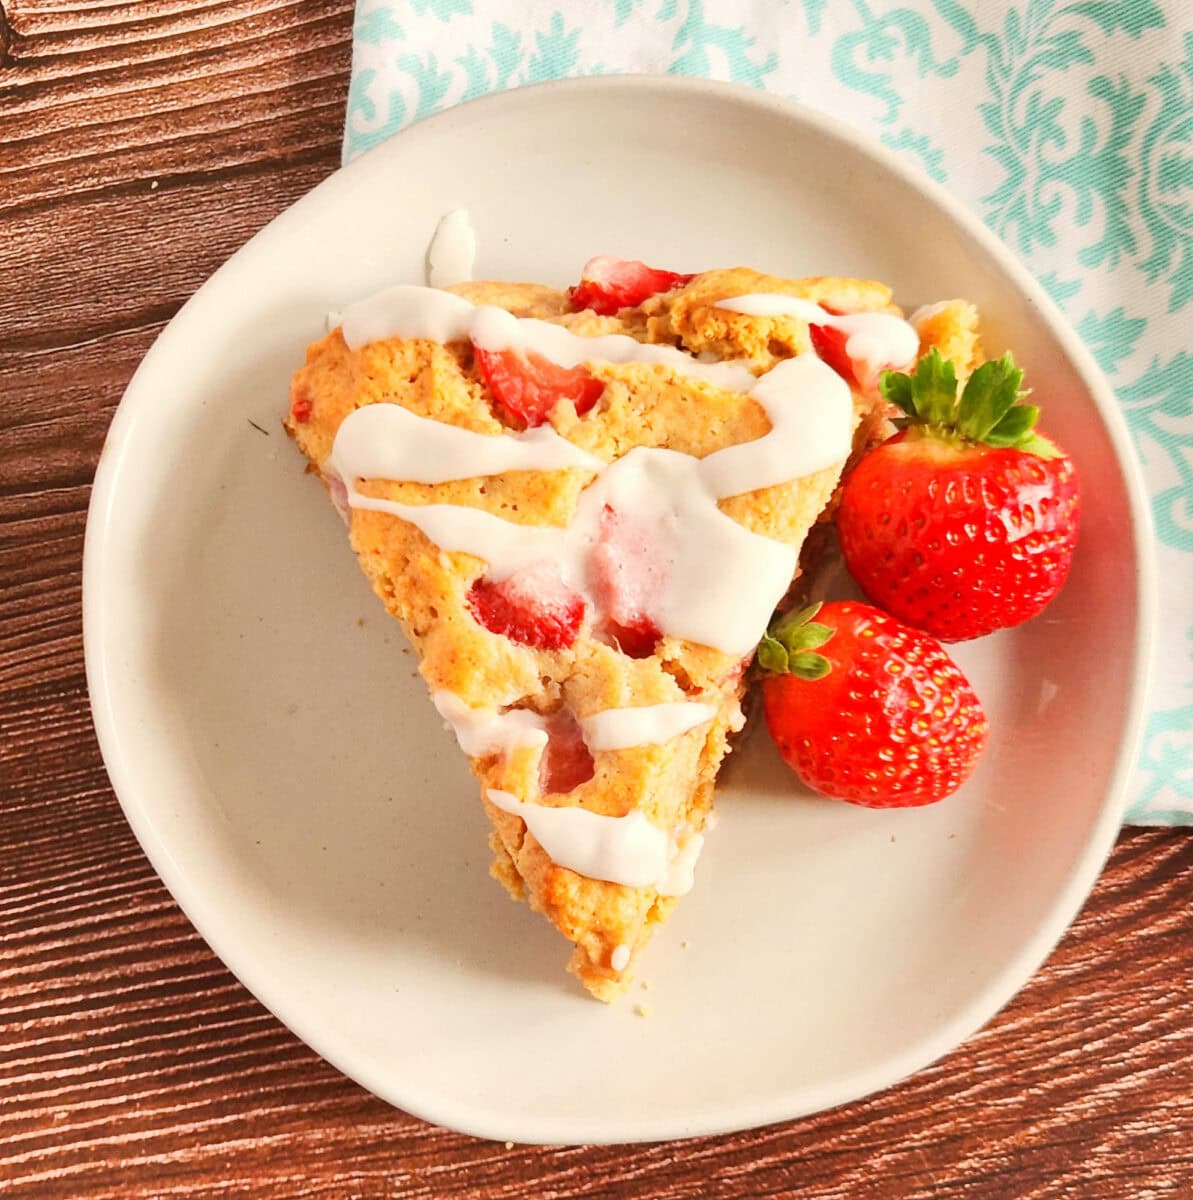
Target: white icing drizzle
(488,730)
(455,527)
(681,870)
(409,311)
(700,600)
(718,582)
(481,731)
(648,725)
(495,329)
(387,441)
(775,304)
(630,850)
(452,251)
(874,341)
(811,416)
(620,958)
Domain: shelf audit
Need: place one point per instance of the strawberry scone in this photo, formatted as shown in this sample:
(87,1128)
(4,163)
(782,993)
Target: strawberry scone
(584,507)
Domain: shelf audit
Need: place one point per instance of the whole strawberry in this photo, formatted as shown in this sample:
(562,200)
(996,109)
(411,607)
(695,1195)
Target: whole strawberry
(867,709)
(964,522)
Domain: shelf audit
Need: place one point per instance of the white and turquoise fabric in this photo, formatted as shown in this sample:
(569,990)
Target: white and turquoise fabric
(1066,124)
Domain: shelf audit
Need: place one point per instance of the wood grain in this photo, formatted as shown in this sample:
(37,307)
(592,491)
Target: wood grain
(141,144)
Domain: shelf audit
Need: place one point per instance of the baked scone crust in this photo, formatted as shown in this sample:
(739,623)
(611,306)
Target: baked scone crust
(426,588)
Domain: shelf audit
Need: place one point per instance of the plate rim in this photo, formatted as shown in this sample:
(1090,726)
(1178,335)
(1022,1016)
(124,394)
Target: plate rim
(745,1113)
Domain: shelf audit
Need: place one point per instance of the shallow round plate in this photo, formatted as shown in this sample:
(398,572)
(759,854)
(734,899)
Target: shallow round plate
(282,767)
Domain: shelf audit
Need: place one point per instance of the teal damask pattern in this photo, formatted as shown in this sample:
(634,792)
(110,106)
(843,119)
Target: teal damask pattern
(702,42)
(1164,190)
(1067,126)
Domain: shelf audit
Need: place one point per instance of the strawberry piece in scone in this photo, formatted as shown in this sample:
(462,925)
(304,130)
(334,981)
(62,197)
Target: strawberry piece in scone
(567,761)
(829,344)
(534,607)
(526,387)
(301,404)
(627,575)
(607,285)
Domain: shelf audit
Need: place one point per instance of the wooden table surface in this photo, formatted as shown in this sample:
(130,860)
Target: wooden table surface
(141,143)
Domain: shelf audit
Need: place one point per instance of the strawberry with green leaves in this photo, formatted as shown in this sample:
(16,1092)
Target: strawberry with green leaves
(966,520)
(866,709)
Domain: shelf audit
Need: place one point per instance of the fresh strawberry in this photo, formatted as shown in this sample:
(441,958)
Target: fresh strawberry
(829,342)
(534,607)
(527,386)
(628,574)
(867,709)
(607,285)
(965,522)
(566,762)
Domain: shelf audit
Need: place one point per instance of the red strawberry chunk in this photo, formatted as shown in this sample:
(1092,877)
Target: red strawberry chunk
(829,343)
(627,576)
(301,404)
(567,761)
(607,285)
(534,607)
(527,386)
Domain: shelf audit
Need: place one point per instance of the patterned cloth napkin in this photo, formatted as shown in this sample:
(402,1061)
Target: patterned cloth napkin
(1067,125)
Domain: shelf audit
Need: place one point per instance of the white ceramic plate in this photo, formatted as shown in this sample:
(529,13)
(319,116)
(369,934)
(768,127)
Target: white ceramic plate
(293,787)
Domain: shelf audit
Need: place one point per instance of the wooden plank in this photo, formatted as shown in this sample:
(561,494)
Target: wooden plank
(182,1067)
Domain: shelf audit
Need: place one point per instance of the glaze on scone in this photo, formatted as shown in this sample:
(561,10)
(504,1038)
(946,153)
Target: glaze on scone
(427,588)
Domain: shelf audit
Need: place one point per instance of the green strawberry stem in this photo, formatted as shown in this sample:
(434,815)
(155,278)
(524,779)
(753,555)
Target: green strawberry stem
(789,646)
(988,410)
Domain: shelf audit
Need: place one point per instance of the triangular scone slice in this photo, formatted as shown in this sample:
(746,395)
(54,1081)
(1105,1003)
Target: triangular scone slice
(584,597)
